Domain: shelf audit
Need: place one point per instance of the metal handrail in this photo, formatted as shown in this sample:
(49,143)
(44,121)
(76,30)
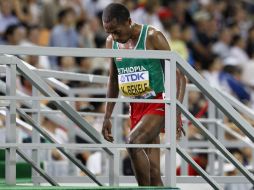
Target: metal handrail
(214,96)
(58,119)
(217,144)
(181,64)
(84,52)
(232,100)
(52,140)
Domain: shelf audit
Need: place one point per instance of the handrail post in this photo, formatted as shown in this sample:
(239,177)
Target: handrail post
(10,157)
(184,142)
(170,123)
(212,130)
(35,134)
(73,170)
(114,160)
(221,138)
(114,169)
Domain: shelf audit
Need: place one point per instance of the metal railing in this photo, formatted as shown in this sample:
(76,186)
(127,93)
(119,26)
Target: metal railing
(170,144)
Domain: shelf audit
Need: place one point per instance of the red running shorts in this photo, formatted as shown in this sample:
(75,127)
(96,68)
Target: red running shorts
(138,110)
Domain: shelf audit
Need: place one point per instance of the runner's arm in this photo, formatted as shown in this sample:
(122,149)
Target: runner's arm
(159,42)
(112,88)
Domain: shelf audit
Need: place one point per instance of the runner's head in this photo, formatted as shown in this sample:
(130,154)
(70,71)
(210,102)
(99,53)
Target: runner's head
(117,22)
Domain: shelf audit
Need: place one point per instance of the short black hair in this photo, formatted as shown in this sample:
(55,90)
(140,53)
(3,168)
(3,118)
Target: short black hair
(10,30)
(80,24)
(115,11)
(62,13)
(236,38)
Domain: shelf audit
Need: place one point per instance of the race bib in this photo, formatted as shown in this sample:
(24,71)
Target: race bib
(134,84)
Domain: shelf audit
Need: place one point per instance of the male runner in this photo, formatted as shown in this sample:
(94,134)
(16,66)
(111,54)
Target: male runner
(138,78)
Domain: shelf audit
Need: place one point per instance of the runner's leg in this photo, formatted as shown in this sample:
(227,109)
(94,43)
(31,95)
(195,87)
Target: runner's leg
(146,131)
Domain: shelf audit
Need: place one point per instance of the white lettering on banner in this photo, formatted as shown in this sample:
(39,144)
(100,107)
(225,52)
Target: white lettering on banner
(133,77)
(131,69)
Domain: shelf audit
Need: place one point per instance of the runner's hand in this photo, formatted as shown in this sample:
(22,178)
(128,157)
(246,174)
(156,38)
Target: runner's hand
(106,130)
(179,127)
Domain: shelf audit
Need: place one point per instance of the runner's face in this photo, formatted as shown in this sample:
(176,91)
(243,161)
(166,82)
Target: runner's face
(120,32)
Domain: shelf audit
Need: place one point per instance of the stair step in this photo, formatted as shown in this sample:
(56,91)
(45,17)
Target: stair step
(5,187)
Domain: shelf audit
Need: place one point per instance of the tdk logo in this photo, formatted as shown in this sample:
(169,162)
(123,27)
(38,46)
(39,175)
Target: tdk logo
(132,77)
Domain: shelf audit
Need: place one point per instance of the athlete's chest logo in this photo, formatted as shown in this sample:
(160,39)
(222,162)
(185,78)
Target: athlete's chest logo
(133,77)
(134,84)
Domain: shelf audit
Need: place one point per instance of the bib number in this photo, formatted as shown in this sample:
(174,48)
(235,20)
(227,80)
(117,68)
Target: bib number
(134,84)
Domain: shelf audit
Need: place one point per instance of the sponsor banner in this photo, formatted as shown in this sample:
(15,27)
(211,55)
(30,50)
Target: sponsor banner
(133,77)
(134,88)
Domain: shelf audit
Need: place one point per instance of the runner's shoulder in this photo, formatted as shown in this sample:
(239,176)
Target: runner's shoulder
(153,34)
(109,42)
(153,37)
(156,40)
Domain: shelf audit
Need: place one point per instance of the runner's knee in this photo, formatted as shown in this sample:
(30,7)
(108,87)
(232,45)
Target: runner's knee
(132,140)
(137,139)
